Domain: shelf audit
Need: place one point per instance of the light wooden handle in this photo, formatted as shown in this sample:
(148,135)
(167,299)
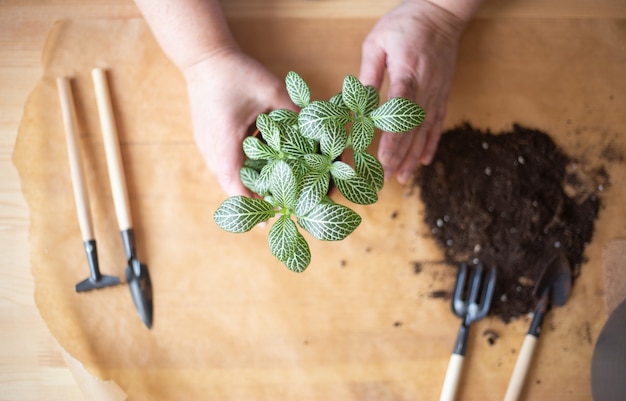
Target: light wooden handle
(453,377)
(112,150)
(522,364)
(68,111)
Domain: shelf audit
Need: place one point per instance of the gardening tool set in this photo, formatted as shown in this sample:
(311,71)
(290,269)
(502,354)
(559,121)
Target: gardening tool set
(471,301)
(137,275)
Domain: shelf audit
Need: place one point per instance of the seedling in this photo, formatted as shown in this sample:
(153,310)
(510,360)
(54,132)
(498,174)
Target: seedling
(298,155)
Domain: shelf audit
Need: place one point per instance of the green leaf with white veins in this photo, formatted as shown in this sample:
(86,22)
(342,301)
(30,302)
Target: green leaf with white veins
(316,162)
(334,141)
(301,257)
(283,185)
(342,171)
(330,221)
(284,116)
(282,238)
(354,94)
(239,214)
(368,167)
(295,144)
(398,115)
(373,98)
(362,132)
(298,90)
(249,177)
(357,190)
(314,188)
(319,116)
(257,150)
(264,180)
(270,130)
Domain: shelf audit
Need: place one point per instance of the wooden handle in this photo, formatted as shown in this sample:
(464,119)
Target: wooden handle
(453,376)
(112,150)
(68,111)
(522,364)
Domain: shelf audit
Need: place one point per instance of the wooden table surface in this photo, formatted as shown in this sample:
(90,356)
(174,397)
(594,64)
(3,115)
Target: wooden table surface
(31,363)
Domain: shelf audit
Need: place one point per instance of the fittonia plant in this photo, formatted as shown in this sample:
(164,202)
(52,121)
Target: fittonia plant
(292,165)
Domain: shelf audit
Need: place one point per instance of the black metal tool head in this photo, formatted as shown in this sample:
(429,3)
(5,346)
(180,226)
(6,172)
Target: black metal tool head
(471,308)
(96,279)
(555,280)
(140,286)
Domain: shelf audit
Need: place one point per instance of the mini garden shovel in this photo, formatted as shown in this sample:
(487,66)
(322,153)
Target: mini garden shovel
(137,274)
(68,109)
(552,288)
(470,310)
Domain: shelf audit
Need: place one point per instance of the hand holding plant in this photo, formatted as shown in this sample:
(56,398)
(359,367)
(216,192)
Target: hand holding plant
(292,165)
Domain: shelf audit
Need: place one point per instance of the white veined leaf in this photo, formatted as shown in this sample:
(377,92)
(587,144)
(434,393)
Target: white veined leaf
(354,94)
(239,214)
(283,185)
(314,189)
(298,90)
(295,144)
(264,180)
(319,116)
(337,100)
(270,130)
(301,257)
(373,98)
(249,177)
(342,171)
(398,115)
(334,140)
(330,221)
(357,190)
(317,162)
(368,167)
(362,132)
(257,150)
(284,116)
(282,238)
(256,165)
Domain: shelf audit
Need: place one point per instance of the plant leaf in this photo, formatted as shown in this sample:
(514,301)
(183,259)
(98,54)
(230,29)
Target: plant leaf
(283,185)
(354,94)
(368,167)
(398,115)
(319,117)
(357,190)
(282,238)
(314,188)
(373,98)
(334,141)
(257,150)
(330,221)
(362,132)
(263,182)
(270,130)
(337,100)
(295,144)
(317,162)
(249,177)
(239,214)
(342,171)
(256,165)
(301,257)
(298,90)
(284,116)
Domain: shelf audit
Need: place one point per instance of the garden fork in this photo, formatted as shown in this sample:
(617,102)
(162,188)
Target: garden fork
(470,310)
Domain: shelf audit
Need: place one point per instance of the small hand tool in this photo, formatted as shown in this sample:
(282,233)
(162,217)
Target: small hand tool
(68,109)
(552,288)
(470,310)
(137,274)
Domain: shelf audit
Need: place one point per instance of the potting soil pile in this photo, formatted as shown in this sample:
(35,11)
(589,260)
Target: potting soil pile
(513,201)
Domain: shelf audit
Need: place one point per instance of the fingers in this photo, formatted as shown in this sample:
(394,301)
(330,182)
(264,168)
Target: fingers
(373,61)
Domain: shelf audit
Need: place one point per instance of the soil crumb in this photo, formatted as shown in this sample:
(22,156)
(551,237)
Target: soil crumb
(491,335)
(441,294)
(510,200)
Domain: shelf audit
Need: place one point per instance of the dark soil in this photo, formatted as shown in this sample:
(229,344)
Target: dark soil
(511,200)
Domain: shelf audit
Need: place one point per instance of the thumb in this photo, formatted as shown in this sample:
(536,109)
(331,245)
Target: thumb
(373,60)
